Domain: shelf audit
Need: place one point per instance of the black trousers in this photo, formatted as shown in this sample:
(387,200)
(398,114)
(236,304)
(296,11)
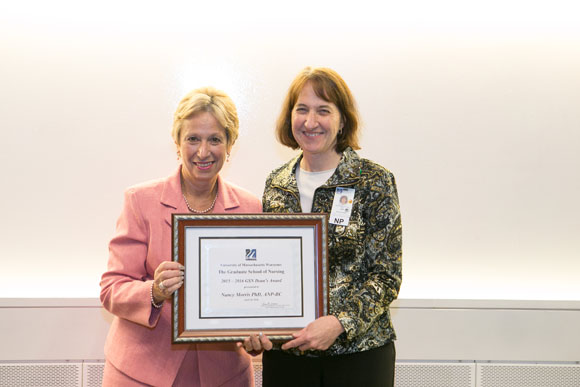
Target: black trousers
(372,368)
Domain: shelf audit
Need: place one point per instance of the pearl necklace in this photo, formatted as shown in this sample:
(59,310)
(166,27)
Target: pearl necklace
(202,211)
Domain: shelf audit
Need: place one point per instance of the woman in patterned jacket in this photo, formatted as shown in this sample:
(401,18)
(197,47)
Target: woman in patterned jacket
(353,344)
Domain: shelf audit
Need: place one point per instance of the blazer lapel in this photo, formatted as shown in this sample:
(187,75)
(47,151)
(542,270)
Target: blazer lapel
(227,198)
(171,197)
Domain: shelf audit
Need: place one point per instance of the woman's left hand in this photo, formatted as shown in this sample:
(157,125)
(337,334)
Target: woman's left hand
(256,344)
(319,334)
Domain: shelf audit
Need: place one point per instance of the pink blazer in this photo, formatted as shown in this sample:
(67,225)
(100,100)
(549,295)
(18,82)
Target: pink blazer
(139,340)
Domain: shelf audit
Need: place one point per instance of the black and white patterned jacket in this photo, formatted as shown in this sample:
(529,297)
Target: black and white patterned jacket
(365,257)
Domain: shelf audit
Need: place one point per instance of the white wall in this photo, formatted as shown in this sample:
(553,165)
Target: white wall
(447,343)
(475,108)
(428,330)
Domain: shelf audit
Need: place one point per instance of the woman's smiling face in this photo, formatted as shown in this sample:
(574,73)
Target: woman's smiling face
(315,122)
(202,147)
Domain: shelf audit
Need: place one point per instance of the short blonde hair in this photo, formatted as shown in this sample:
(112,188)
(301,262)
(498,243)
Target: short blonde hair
(211,100)
(329,86)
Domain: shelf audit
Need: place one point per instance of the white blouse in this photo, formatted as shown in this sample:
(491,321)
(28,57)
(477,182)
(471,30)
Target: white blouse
(307,184)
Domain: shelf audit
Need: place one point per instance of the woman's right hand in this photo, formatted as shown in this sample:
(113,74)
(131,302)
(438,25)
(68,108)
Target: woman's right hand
(256,344)
(167,279)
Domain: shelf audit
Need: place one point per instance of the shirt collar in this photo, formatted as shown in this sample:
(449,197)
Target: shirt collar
(347,172)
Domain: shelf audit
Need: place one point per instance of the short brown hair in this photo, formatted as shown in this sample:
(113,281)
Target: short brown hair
(329,86)
(207,99)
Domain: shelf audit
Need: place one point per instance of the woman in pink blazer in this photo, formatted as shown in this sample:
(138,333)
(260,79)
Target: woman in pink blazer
(140,279)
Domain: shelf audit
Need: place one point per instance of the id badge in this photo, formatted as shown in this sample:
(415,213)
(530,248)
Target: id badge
(342,206)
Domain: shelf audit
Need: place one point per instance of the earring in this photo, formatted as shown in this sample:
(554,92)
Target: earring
(227,157)
(178,155)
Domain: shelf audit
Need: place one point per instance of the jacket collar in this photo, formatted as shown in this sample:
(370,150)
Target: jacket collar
(172,196)
(347,172)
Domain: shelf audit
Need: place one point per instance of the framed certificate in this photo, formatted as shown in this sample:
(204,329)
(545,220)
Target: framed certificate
(249,273)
